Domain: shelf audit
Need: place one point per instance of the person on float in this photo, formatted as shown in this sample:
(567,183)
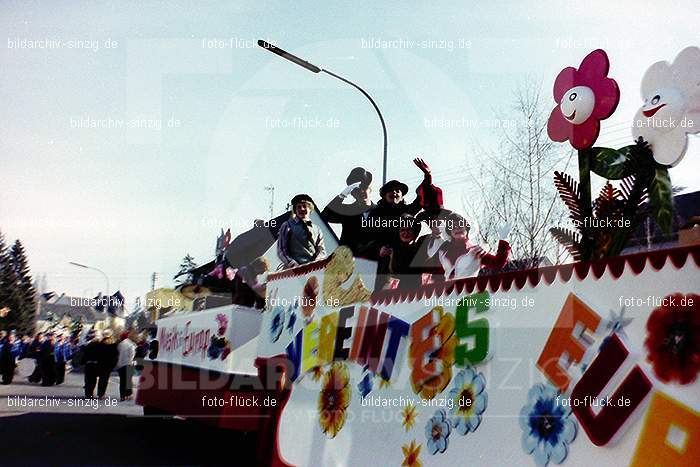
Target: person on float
(383,220)
(427,257)
(350,216)
(300,241)
(460,258)
(402,265)
(248,287)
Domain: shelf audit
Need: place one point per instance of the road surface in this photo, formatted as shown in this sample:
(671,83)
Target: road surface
(62,428)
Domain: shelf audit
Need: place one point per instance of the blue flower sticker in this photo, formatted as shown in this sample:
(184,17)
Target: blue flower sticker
(276,323)
(547,425)
(437,432)
(470,400)
(365,385)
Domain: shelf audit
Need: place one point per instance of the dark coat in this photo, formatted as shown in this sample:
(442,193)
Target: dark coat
(403,266)
(107,356)
(7,357)
(427,197)
(350,217)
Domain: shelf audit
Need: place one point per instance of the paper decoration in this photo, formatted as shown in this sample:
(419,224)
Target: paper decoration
(671,109)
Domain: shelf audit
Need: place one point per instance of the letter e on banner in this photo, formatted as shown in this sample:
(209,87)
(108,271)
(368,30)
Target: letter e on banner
(562,340)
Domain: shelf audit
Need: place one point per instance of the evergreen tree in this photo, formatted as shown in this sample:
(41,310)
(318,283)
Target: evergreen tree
(182,276)
(23,319)
(7,281)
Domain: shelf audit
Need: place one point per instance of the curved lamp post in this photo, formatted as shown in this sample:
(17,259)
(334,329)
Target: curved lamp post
(94,269)
(313,68)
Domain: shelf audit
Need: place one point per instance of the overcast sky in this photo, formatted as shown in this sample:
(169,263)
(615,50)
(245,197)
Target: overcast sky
(235,118)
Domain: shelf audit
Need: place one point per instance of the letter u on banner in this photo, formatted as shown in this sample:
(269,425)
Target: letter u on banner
(602,427)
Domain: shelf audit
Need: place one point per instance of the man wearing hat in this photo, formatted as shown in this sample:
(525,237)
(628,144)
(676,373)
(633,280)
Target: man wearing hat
(350,216)
(299,240)
(384,220)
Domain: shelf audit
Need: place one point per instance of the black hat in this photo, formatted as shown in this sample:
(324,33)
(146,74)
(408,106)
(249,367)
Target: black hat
(392,184)
(301,197)
(358,174)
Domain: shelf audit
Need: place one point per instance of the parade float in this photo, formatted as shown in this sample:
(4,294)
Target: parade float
(594,362)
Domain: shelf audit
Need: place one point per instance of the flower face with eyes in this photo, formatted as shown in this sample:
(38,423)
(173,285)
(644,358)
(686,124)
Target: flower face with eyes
(577,104)
(584,97)
(671,108)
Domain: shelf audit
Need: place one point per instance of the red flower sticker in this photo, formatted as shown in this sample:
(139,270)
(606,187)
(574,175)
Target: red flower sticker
(584,97)
(673,339)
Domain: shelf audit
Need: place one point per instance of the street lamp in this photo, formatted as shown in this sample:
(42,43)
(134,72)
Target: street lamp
(313,68)
(94,269)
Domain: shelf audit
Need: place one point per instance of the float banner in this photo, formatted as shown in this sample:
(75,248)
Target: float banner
(580,364)
(220,339)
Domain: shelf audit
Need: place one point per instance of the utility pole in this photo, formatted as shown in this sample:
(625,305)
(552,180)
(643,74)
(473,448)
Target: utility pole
(271,189)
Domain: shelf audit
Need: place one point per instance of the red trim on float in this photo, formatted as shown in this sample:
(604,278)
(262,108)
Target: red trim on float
(503,282)
(299,270)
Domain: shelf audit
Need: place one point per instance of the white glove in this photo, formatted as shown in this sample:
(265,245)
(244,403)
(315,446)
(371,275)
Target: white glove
(504,230)
(348,189)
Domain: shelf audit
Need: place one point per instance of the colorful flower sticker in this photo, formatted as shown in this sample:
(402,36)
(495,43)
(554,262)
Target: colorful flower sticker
(584,97)
(671,109)
(408,416)
(470,400)
(547,425)
(334,399)
(673,339)
(437,432)
(219,346)
(411,452)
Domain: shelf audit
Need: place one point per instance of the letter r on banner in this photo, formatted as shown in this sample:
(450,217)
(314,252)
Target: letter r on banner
(670,436)
(563,340)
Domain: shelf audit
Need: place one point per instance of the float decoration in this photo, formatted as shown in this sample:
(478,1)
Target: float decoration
(548,427)
(671,93)
(673,339)
(605,232)
(584,97)
(671,110)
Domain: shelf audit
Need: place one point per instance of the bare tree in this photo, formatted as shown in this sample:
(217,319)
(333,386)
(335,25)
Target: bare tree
(516,182)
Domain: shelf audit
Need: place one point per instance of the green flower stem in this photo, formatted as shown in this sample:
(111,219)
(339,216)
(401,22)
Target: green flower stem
(584,175)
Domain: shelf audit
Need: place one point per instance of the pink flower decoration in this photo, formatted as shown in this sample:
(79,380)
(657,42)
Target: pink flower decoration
(584,97)
(223,323)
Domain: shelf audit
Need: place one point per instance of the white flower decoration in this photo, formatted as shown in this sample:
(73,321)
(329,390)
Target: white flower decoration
(671,107)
